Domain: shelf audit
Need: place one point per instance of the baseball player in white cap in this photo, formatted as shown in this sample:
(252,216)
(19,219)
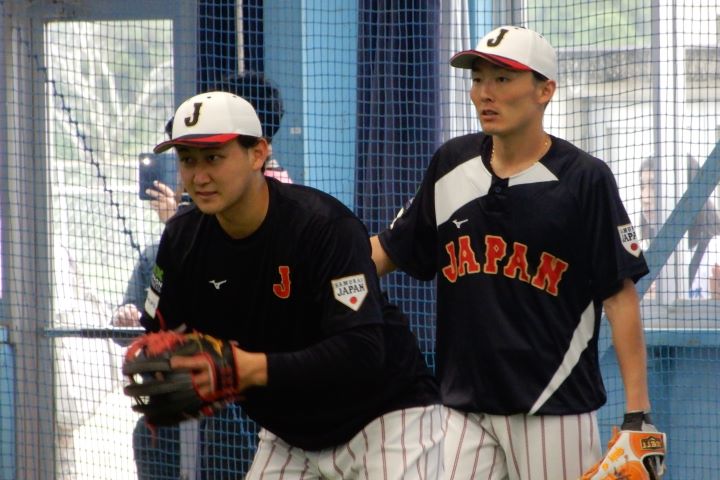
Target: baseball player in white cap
(326,366)
(529,241)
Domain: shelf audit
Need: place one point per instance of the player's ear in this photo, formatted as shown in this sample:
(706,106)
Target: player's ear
(547,90)
(259,153)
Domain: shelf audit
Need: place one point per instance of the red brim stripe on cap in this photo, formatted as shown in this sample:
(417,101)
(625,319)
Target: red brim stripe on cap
(196,141)
(465,60)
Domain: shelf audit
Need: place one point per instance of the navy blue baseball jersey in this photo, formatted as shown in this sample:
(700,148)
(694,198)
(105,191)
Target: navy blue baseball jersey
(304,290)
(523,265)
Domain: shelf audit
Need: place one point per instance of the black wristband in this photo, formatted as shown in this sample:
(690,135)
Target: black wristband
(634,420)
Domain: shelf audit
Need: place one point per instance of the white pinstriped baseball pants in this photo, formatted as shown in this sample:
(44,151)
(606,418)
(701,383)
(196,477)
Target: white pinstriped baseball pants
(520,447)
(401,445)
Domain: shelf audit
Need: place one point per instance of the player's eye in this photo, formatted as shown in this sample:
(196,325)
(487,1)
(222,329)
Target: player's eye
(186,160)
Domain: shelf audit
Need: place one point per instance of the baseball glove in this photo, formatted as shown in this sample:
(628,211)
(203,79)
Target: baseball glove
(167,396)
(635,452)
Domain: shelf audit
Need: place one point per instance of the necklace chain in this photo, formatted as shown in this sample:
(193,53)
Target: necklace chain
(544,150)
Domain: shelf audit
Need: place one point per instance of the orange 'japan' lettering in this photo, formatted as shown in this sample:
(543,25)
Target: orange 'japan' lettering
(462,262)
(549,273)
(517,265)
(495,248)
(467,263)
(450,271)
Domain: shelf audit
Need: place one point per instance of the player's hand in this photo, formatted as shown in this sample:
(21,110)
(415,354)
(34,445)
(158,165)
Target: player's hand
(174,376)
(200,371)
(251,370)
(126,315)
(164,200)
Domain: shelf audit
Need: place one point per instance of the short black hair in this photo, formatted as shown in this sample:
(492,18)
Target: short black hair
(262,94)
(539,76)
(246,141)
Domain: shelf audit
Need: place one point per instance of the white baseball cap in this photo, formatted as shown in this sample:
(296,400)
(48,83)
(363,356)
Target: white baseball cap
(516,48)
(211,119)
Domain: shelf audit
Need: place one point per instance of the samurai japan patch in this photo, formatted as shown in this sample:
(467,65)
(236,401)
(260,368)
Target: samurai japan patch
(629,239)
(350,291)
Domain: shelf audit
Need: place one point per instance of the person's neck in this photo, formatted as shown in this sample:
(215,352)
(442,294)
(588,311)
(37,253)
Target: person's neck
(246,216)
(512,155)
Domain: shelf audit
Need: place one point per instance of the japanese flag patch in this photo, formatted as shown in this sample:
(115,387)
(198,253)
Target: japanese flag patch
(629,239)
(350,291)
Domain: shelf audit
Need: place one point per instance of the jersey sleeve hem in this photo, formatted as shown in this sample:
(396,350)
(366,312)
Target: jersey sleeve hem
(397,259)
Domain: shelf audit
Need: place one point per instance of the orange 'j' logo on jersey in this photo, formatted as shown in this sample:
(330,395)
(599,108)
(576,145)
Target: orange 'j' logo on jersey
(282,289)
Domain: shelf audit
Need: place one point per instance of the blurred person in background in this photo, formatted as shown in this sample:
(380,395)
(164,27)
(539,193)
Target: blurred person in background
(704,266)
(86,369)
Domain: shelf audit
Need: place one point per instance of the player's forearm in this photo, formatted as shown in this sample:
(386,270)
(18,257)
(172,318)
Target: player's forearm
(351,357)
(623,312)
(383,264)
(633,368)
